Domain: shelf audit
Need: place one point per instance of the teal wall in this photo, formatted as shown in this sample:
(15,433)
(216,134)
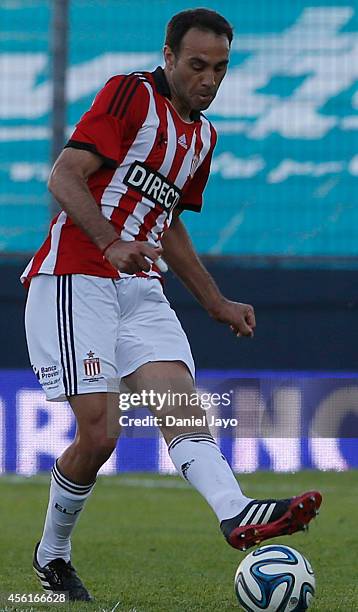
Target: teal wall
(284,177)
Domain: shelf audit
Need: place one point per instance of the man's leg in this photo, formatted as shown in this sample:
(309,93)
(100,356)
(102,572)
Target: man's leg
(72,323)
(73,477)
(192,449)
(194,452)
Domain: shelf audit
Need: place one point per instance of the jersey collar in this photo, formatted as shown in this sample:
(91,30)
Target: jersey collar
(162,87)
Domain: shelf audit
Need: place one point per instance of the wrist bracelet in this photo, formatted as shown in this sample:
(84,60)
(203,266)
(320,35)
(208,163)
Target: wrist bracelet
(109,245)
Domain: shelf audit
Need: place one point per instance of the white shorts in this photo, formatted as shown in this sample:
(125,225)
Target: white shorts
(84,333)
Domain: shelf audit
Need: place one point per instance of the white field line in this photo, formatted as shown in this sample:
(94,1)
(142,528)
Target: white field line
(151,483)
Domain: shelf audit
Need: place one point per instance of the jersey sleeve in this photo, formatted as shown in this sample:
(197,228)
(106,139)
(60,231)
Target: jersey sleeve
(116,110)
(192,196)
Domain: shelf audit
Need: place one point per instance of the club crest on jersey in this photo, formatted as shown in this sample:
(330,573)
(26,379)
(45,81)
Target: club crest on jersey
(152,185)
(194,165)
(92,364)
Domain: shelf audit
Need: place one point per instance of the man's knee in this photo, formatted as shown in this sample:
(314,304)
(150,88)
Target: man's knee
(97,426)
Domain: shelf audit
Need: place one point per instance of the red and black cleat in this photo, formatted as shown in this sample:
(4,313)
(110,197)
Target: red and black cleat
(269,518)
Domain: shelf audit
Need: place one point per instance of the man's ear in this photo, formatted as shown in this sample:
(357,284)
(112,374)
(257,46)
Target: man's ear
(169,57)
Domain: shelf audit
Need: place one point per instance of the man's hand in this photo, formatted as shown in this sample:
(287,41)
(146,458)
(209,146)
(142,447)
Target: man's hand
(132,257)
(240,317)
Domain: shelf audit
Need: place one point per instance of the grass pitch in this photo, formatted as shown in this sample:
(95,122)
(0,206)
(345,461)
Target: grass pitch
(153,545)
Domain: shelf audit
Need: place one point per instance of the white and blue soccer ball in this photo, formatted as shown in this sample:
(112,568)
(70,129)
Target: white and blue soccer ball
(275,578)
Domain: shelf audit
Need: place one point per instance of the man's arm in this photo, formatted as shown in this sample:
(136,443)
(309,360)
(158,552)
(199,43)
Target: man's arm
(68,184)
(182,258)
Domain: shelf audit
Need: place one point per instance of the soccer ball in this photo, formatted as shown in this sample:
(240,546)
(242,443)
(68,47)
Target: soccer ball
(275,578)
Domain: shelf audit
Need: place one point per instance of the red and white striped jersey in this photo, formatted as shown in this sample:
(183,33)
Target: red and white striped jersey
(153,161)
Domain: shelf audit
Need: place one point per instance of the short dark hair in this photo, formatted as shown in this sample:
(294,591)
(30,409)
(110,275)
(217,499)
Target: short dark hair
(201,18)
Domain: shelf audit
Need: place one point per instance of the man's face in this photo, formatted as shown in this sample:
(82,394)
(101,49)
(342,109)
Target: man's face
(196,72)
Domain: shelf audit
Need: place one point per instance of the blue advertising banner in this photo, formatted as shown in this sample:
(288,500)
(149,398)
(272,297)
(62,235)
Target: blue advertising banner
(283,422)
(285,170)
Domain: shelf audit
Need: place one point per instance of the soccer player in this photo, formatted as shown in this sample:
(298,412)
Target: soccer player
(96,312)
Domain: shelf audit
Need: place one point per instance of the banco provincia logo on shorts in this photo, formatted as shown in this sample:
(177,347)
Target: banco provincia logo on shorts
(92,364)
(152,185)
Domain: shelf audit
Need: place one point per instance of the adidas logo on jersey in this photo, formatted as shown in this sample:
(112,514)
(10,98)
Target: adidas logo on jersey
(182,141)
(152,185)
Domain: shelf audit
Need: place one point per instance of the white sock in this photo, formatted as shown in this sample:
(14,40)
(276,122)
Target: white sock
(66,501)
(198,458)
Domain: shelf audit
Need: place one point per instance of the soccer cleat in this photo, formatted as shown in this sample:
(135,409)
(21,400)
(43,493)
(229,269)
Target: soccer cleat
(59,575)
(269,518)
